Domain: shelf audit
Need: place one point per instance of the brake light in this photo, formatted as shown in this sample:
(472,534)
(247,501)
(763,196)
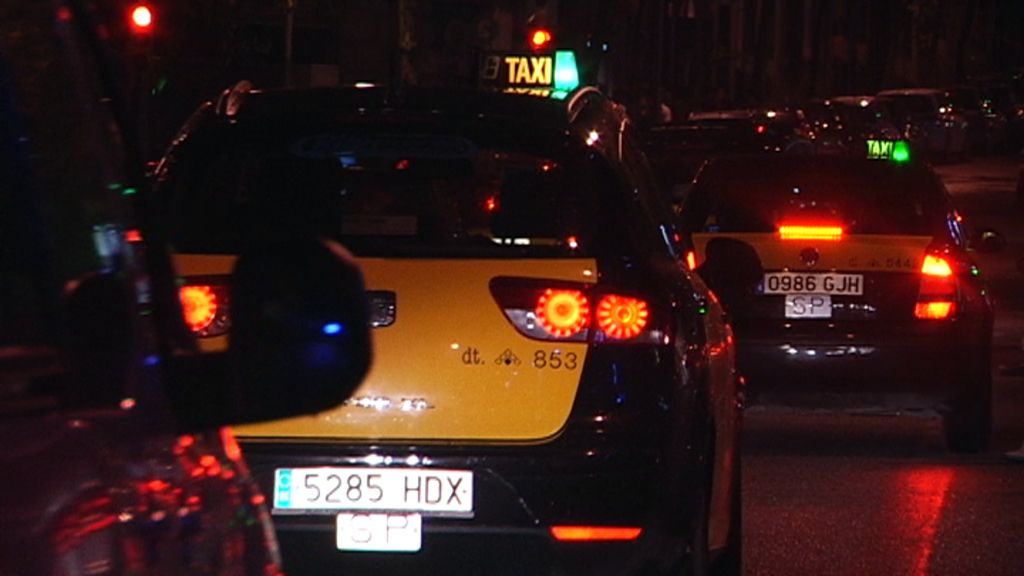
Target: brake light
(199,305)
(621,317)
(563,313)
(938,293)
(803,232)
(595,533)
(933,310)
(205,308)
(936,266)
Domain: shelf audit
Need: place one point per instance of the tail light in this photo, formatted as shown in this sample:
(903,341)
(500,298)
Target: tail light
(621,317)
(595,533)
(562,313)
(938,293)
(206,308)
(565,311)
(811,232)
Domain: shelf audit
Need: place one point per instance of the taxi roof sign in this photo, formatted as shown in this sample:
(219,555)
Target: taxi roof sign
(893,150)
(550,75)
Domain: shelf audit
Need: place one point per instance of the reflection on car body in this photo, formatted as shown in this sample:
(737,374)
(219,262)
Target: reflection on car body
(552,392)
(848,277)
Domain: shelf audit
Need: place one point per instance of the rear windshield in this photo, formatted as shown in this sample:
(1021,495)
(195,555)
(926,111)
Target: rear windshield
(396,194)
(864,197)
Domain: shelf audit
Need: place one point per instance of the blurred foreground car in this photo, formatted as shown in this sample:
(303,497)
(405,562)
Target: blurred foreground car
(848,279)
(553,392)
(113,456)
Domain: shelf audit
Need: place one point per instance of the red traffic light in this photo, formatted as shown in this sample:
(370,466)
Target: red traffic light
(141,18)
(540,38)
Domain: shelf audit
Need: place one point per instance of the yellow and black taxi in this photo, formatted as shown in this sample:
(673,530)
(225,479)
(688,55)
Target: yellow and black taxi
(848,279)
(553,391)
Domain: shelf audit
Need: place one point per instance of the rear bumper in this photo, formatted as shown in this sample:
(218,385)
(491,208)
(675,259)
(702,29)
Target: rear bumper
(916,367)
(519,493)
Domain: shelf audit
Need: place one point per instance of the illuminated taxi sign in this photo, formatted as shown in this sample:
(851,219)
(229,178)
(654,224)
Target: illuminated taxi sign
(529,71)
(548,75)
(894,150)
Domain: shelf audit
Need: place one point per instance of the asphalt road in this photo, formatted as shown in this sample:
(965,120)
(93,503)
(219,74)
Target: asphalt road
(874,493)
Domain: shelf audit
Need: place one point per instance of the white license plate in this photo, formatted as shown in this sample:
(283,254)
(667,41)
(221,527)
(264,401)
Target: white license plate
(379,532)
(808,306)
(428,490)
(819,283)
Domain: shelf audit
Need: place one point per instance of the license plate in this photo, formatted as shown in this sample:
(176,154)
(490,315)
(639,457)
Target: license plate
(821,283)
(427,490)
(808,306)
(378,532)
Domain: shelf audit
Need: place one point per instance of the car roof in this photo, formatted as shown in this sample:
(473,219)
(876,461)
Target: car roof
(763,163)
(911,92)
(244,104)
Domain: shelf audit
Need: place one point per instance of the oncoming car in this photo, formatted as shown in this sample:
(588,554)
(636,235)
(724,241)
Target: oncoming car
(553,392)
(848,279)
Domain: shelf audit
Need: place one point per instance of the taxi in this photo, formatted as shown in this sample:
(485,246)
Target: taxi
(553,391)
(848,280)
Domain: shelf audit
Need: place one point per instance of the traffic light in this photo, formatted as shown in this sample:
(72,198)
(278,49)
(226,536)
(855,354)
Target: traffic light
(140,18)
(540,39)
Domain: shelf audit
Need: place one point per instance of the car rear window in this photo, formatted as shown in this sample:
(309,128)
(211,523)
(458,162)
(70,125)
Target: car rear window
(865,197)
(398,194)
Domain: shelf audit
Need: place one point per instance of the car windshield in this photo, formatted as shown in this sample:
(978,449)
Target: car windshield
(389,194)
(728,198)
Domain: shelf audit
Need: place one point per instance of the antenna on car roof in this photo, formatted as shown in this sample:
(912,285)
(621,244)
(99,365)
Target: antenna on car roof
(231,98)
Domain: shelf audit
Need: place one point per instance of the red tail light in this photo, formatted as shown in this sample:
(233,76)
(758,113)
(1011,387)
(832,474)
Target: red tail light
(561,311)
(936,266)
(621,317)
(595,533)
(805,232)
(938,293)
(205,307)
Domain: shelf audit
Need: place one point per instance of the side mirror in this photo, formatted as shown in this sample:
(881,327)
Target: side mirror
(299,341)
(988,241)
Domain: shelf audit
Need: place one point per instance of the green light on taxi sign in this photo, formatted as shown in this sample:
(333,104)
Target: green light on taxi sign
(900,152)
(894,150)
(567,76)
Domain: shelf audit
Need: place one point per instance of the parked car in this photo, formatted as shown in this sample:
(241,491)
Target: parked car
(928,121)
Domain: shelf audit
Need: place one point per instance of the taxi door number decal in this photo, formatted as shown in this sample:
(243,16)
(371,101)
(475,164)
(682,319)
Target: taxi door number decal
(555,360)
